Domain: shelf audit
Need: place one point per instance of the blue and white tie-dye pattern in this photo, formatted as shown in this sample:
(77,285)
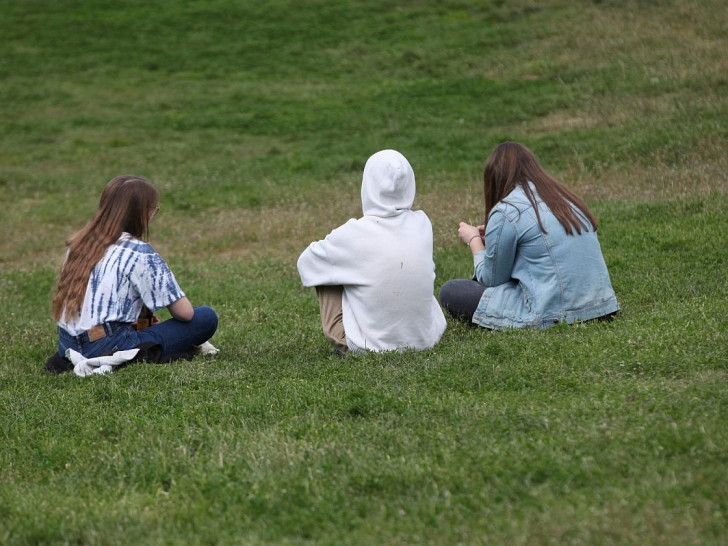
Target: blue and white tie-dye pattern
(130,274)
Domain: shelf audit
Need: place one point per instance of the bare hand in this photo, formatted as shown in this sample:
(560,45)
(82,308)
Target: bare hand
(466,232)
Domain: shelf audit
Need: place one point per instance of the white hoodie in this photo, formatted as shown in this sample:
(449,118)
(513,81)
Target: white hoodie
(384,262)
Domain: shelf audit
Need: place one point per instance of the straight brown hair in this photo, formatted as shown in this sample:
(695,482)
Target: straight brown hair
(127,204)
(512,163)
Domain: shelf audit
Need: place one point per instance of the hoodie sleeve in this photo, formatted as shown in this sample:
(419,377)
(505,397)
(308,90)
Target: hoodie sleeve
(330,261)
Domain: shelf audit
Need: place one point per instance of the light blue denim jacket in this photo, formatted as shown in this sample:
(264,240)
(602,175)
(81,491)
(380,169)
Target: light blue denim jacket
(535,279)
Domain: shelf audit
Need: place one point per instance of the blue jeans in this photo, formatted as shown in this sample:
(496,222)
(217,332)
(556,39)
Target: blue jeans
(173,335)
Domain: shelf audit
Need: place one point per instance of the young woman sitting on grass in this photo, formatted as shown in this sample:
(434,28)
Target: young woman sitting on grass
(537,259)
(110,274)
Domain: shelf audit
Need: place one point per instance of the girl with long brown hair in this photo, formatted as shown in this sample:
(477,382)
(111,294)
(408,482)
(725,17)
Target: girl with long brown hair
(537,258)
(111,273)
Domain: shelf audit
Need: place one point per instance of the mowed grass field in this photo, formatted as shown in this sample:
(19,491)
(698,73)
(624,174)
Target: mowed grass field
(255,119)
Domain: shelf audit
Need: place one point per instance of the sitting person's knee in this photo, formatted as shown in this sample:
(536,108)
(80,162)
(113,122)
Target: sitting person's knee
(207,316)
(446,293)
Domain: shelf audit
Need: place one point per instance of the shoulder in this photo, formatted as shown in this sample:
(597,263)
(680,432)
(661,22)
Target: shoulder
(134,254)
(128,244)
(508,209)
(419,214)
(334,238)
(351,226)
(514,204)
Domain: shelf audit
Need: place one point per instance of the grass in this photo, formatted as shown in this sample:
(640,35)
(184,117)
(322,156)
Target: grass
(255,121)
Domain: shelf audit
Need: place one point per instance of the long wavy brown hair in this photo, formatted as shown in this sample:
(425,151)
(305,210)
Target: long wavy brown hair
(512,163)
(127,204)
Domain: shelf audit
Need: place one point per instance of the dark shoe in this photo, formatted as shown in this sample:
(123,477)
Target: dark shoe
(58,364)
(339,349)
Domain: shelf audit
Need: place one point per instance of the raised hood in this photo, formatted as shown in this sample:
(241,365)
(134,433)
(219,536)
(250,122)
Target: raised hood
(388,184)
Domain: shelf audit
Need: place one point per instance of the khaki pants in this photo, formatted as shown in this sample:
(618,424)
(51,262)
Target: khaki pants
(332,321)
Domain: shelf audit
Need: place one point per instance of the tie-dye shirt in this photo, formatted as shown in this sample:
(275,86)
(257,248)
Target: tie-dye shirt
(130,274)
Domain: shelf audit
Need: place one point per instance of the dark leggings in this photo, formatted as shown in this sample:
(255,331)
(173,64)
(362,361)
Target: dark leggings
(460,298)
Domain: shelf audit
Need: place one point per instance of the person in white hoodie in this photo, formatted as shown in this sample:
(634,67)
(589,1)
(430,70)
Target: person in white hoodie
(375,275)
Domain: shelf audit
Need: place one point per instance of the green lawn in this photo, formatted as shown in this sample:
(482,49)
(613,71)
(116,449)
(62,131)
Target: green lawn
(255,119)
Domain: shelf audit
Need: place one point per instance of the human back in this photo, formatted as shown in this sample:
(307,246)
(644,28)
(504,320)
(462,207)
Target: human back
(130,275)
(557,277)
(125,206)
(537,259)
(394,294)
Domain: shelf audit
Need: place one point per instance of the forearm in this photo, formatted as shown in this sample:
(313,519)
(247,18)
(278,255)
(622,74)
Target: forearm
(476,244)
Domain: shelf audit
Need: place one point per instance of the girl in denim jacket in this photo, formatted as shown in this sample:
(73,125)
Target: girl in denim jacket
(537,259)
